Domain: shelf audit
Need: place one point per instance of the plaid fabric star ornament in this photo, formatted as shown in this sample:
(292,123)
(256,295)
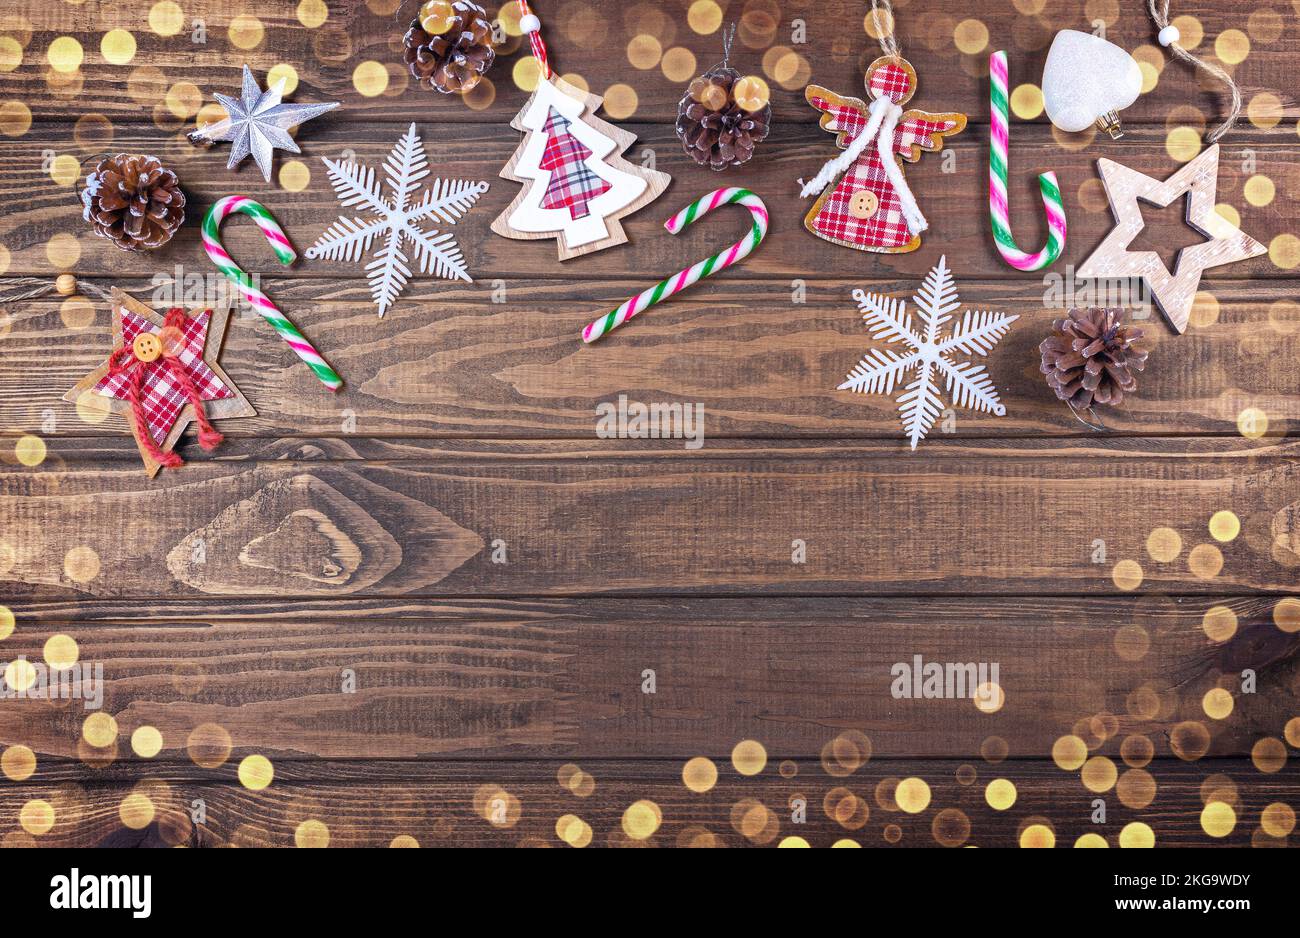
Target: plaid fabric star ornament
(162,375)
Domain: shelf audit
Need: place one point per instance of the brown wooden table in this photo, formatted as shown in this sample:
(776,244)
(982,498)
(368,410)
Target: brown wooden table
(322,590)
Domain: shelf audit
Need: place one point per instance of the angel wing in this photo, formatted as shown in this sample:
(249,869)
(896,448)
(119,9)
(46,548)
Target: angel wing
(922,131)
(841,115)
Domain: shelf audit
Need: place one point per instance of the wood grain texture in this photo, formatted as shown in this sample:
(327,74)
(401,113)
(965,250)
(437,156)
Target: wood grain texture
(453,363)
(671,521)
(356,533)
(954,203)
(368,679)
(370,805)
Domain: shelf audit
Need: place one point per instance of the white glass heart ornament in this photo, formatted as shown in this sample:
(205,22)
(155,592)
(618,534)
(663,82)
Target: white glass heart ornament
(1088,80)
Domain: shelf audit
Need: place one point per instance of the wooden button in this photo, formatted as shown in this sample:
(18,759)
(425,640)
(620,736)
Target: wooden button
(863,204)
(147,347)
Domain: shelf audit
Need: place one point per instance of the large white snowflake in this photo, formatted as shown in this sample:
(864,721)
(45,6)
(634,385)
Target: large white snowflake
(927,353)
(395,219)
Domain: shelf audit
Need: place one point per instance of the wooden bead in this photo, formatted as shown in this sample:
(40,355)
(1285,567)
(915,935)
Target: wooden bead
(66,284)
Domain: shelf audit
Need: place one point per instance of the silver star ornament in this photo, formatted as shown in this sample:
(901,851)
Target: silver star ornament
(258,123)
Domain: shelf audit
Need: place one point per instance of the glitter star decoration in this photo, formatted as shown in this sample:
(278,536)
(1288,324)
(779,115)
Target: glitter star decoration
(257,123)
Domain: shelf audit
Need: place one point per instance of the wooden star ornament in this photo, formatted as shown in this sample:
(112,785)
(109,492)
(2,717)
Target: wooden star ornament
(1174,291)
(162,375)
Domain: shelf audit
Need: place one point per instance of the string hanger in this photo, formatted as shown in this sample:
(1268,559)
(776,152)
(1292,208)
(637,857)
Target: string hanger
(882,17)
(532,27)
(1168,37)
(728,37)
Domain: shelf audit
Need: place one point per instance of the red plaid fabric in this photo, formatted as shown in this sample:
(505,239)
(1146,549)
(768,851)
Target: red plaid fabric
(886,228)
(163,400)
(572,184)
(890,81)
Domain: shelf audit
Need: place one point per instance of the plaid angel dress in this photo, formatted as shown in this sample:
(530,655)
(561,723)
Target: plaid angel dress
(863,210)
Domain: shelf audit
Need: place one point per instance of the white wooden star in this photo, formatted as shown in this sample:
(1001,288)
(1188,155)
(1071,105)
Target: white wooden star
(1173,291)
(258,123)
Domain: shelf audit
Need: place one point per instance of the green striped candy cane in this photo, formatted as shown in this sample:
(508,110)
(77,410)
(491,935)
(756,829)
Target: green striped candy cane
(698,271)
(286,255)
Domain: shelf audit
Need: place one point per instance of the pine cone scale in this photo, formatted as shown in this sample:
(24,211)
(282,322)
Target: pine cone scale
(1090,357)
(134,201)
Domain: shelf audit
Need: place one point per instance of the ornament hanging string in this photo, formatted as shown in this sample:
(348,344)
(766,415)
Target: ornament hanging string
(530,24)
(1169,37)
(880,130)
(285,254)
(698,271)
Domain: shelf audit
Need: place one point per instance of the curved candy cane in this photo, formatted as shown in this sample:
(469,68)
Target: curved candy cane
(1047,184)
(698,271)
(286,255)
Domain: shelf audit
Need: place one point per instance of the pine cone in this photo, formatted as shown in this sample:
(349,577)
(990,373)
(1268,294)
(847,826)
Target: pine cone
(134,201)
(714,128)
(453,60)
(1090,358)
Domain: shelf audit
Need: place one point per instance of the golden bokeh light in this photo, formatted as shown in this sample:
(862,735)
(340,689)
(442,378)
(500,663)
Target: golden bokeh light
(1027,101)
(1286,614)
(60,651)
(311,835)
(15,120)
(1137,835)
(29,450)
(81,564)
(1132,642)
(573,830)
(1205,561)
(7,619)
(1218,819)
(846,753)
(1099,774)
(246,32)
(1252,423)
(1189,740)
(1000,794)
(1183,143)
(1284,251)
(621,99)
(1269,755)
(295,176)
(1037,836)
(641,819)
(1232,46)
(63,251)
(704,16)
(1277,819)
(403,842)
(643,51)
(970,36)
(312,13)
(1219,623)
(699,774)
(1069,753)
(1164,544)
(1224,526)
(166,18)
(1217,703)
(11,53)
(1136,789)
(92,408)
(796,842)
(1259,191)
(18,763)
(283,72)
(912,795)
(146,741)
(208,745)
(20,674)
(136,811)
(950,827)
(255,772)
(117,47)
(99,730)
(370,78)
(65,55)
(1091,841)
(989,697)
(1127,575)
(1265,110)
(36,817)
(749,757)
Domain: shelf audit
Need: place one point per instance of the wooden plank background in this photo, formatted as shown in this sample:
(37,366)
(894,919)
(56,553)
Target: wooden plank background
(323,587)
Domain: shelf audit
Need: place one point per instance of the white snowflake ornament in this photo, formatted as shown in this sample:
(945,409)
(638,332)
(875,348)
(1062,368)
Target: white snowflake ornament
(395,219)
(928,353)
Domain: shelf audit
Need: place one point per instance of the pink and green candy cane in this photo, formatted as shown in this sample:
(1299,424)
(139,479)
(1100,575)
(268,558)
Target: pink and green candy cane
(286,255)
(1047,184)
(698,271)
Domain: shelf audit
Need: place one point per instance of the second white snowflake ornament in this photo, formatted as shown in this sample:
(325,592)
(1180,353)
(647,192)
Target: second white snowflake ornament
(395,219)
(928,354)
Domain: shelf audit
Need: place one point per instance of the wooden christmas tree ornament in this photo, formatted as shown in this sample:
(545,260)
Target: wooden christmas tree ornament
(577,185)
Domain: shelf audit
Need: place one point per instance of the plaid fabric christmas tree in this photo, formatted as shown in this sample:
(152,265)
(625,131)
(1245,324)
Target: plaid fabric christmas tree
(572,184)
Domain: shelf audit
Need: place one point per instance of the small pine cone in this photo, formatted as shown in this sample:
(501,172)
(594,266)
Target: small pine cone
(454,60)
(134,201)
(714,128)
(1090,358)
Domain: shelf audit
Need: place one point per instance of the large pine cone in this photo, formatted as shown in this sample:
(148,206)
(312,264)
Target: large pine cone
(716,130)
(454,60)
(1090,358)
(134,201)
